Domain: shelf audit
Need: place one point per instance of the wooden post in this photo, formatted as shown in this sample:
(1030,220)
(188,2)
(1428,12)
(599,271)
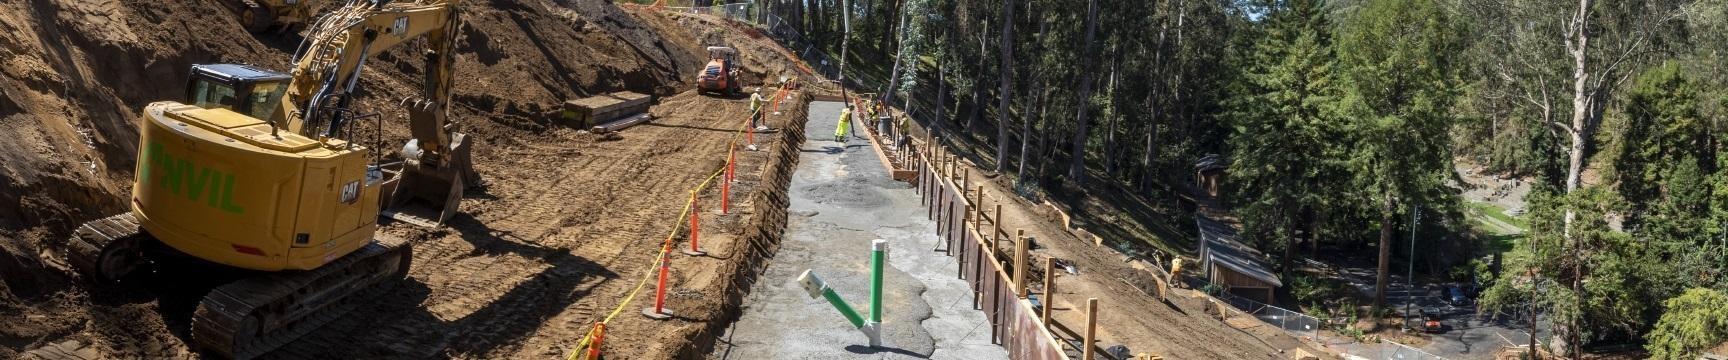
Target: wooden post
(966,221)
(1091,328)
(1049,290)
(966,179)
(1020,263)
(997,221)
(989,250)
(980,209)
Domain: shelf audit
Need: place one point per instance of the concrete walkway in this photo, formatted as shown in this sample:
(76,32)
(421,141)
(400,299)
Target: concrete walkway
(841,199)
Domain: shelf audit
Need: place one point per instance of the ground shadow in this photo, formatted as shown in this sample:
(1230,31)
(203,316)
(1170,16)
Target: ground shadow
(395,324)
(868,350)
(655,124)
(400,325)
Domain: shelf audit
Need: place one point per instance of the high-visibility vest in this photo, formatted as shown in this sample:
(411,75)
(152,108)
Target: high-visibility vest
(756,102)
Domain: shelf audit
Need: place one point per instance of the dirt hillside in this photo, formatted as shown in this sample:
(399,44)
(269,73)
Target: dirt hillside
(557,209)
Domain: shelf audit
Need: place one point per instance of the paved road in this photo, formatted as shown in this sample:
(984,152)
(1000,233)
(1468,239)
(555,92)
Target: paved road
(1466,335)
(841,200)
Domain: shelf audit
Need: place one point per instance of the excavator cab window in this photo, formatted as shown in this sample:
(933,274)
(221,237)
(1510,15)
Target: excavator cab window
(240,88)
(210,95)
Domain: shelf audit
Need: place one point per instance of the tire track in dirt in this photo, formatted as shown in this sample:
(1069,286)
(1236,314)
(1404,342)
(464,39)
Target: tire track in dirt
(531,263)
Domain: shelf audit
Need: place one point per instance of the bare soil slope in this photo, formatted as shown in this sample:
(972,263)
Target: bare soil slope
(558,217)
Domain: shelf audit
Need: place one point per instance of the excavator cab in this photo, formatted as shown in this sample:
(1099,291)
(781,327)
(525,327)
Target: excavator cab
(239,88)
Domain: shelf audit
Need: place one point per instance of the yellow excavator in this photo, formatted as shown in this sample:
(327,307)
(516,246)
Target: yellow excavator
(257,172)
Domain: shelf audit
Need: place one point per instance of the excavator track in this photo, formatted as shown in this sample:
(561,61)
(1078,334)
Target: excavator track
(250,317)
(107,249)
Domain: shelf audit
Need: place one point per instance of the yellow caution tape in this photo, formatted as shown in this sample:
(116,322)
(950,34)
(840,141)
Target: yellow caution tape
(676,225)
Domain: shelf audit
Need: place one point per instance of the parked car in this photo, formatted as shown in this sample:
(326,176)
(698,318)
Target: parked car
(1455,296)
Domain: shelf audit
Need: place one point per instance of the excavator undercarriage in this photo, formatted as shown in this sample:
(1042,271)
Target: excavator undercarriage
(260,312)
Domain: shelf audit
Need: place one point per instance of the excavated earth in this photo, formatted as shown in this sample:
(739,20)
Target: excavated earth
(559,232)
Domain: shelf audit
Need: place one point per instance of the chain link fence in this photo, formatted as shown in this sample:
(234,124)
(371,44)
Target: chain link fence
(1304,325)
(1296,323)
(1394,351)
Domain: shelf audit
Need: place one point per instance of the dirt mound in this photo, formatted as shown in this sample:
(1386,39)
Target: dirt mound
(74,74)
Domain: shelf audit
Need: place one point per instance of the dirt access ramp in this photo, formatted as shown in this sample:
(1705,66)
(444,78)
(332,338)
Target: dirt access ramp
(72,81)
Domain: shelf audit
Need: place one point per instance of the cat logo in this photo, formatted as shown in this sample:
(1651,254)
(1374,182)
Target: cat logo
(399,26)
(351,192)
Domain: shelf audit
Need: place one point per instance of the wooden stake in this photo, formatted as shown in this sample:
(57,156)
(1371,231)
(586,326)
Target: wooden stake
(997,221)
(989,250)
(980,210)
(966,179)
(1020,263)
(1049,291)
(1091,328)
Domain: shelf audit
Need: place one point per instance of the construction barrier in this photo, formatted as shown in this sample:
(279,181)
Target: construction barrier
(973,238)
(589,346)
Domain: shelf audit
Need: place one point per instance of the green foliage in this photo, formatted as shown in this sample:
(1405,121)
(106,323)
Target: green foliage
(1597,277)
(1695,321)
(1474,269)
(1318,291)
(1397,62)
(1661,139)
(1286,160)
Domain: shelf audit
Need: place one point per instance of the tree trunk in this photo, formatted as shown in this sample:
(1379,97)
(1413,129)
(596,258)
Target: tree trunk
(941,99)
(1580,132)
(1077,167)
(899,56)
(1044,131)
(1581,97)
(893,8)
(1005,78)
(1381,279)
(1152,101)
(972,114)
(1110,135)
(1289,244)
(1030,115)
(1314,233)
(1025,139)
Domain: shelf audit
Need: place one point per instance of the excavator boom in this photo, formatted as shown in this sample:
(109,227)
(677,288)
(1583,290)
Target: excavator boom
(436,163)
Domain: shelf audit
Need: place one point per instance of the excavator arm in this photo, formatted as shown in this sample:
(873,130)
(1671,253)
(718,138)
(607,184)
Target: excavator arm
(327,69)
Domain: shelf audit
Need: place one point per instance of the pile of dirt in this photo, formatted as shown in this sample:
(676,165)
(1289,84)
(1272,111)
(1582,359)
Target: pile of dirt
(558,217)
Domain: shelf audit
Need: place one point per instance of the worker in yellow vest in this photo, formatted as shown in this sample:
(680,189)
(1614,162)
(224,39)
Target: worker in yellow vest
(845,124)
(756,101)
(1175,272)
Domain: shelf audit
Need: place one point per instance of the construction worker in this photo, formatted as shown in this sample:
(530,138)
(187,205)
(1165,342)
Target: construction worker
(1175,272)
(905,135)
(845,124)
(756,101)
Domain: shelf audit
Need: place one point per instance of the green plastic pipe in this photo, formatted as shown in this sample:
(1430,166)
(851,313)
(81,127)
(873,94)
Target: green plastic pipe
(878,255)
(819,289)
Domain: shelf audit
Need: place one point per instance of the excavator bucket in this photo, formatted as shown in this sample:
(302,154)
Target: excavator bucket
(428,188)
